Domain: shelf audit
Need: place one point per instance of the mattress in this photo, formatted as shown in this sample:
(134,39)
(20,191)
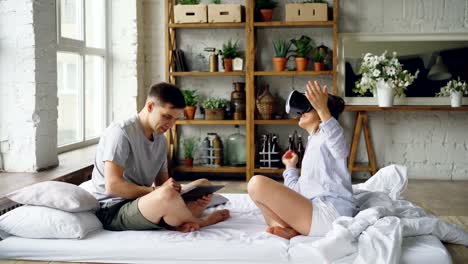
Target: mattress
(241,239)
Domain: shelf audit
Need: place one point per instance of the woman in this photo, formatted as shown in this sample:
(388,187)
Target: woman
(309,204)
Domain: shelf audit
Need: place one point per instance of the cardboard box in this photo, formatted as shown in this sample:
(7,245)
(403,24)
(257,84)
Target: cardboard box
(307,12)
(190,14)
(224,13)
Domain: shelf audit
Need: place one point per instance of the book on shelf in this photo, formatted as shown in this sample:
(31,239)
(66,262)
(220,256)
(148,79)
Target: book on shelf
(193,193)
(179,63)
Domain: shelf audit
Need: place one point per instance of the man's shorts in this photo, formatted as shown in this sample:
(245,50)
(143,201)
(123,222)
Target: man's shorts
(125,215)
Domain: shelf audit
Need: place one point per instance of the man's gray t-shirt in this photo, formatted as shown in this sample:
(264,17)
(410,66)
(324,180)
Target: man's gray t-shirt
(125,144)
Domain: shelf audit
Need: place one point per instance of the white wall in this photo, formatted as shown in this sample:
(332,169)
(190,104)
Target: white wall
(434,145)
(28,89)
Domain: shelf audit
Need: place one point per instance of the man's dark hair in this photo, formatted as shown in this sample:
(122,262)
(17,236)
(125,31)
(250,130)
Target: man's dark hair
(166,93)
(336,105)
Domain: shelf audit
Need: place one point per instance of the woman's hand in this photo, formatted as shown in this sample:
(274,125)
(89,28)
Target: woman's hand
(290,159)
(318,98)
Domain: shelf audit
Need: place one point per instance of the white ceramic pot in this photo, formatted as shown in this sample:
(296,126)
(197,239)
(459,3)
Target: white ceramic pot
(455,99)
(385,93)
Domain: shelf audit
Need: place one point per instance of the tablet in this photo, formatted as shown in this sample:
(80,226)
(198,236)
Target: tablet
(196,192)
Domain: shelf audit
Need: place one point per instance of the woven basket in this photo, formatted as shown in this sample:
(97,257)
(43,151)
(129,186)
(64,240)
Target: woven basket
(214,114)
(265,104)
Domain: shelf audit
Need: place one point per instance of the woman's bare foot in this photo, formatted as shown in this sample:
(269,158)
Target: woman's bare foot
(215,217)
(188,227)
(284,232)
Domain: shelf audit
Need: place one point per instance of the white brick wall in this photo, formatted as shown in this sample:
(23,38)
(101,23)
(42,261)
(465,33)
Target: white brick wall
(28,89)
(433,145)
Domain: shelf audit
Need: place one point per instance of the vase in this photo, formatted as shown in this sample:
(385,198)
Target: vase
(265,103)
(455,99)
(227,65)
(385,93)
(188,162)
(214,114)
(238,101)
(301,64)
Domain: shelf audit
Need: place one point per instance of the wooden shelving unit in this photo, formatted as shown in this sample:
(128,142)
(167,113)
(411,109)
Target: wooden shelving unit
(210,122)
(250,74)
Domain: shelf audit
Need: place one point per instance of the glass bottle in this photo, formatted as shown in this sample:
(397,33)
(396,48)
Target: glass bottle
(217,150)
(206,151)
(275,152)
(236,148)
(238,101)
(291,143)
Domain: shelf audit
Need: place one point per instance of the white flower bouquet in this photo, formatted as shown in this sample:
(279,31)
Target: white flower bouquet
(453,86)
(383,68)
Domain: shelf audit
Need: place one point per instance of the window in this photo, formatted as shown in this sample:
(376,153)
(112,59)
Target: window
(81,72)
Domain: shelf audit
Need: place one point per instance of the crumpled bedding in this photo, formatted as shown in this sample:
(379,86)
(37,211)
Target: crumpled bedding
(376,233)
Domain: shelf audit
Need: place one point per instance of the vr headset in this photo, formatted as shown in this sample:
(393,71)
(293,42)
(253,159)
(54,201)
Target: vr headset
(297,103)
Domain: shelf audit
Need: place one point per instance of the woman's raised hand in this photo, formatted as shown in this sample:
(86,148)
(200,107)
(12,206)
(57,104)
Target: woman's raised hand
(290,159)
(318,98)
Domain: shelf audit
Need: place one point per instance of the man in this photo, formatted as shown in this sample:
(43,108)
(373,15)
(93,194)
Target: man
(131,157)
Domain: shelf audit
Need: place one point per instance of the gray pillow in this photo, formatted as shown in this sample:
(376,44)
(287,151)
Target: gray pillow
(43,222)
(55,194)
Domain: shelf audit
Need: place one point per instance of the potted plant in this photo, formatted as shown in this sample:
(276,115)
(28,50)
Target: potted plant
(455,89)
(191,101)
(265,8)
(318,61)
(229,52)
(214,108)
(281,52)
(383,75)
(303,46)
(189,149)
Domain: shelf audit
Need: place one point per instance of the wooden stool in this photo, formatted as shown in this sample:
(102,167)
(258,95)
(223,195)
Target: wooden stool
(362,122)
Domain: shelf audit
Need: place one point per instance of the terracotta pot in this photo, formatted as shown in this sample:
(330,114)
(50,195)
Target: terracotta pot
(214,114)
(279,63)
(319,66)
(188,162)
(189,112)
(227,65)
(301,64)
(266,14)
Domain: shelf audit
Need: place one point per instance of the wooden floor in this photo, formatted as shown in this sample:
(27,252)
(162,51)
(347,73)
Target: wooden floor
(446,199)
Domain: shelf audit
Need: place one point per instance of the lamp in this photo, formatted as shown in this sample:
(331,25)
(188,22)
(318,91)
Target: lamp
(439,71)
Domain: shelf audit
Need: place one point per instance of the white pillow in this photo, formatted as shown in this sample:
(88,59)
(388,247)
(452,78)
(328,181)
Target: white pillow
(43,222)
(217,200)
(55,194)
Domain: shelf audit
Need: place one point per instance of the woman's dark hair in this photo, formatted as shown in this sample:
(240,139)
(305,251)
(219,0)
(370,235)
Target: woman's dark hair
(336,105)
(166,93)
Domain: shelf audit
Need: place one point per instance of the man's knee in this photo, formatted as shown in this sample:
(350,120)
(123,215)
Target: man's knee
(202,181)
(165,193)
(256,185)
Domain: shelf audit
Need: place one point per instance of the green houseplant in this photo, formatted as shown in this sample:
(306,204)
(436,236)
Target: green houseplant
(455,89)
(229,51)
(214,108)
(191,101)
(281,52)
(265,8)
(189,2)
(304,46)
(189,149)
(318,61)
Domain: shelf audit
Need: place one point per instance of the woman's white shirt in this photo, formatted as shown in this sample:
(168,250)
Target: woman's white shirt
(324,171)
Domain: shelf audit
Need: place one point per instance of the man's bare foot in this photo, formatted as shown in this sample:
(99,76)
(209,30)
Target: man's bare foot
(284,232)
(188,227)
(215,217)
(197,207)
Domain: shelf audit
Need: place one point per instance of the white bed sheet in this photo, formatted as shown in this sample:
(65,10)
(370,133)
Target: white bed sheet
(241,239)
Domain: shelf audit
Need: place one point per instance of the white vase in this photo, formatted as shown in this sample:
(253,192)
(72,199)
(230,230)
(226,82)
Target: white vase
(385,93)
(455,99)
